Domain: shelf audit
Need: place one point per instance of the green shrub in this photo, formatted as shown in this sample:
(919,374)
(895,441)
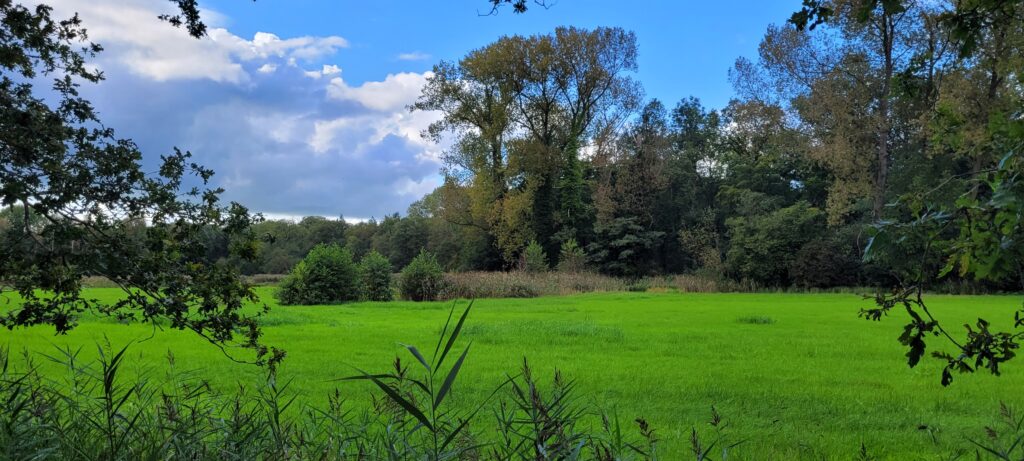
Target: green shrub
(422,279)
(764,247)
(625,248)
(824,264)
(375,275)
(534,259)
(571,258)
(326,276)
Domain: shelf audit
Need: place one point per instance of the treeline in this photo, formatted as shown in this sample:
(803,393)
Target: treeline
(654,203)
(554,146)
(399,238)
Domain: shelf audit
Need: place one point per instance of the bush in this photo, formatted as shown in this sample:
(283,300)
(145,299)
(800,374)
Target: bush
(326,276)
(763,247)
(422,279)
(624,248)
(824,264)
(571,258)
(375,275)
(534,259)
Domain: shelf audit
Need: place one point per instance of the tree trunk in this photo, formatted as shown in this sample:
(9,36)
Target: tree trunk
(888,31)
(882,178)
(993,92)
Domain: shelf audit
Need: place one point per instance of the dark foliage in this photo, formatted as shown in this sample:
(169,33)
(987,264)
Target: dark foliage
(764,248)
(87,208)
(625,248)
(825,263)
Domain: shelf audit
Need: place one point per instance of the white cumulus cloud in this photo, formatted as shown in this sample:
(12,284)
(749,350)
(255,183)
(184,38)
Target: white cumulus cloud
(394,93)
(288,144)
(414,56)
(328,69)
(148,47)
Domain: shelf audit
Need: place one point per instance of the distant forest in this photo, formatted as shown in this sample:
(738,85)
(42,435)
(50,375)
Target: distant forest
(830,130)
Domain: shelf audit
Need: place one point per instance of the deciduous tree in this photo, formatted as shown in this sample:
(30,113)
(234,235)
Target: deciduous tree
(89,208)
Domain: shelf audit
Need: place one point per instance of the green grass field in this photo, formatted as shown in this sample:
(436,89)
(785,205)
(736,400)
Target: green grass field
(814,382)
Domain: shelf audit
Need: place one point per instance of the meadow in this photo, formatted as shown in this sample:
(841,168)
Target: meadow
(797,376)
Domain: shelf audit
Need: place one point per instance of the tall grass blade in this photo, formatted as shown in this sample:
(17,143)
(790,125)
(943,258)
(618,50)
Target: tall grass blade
(450,379)
(397,398)
(454,335)
(444,331)
(454,433)
(416,353)
(993,452)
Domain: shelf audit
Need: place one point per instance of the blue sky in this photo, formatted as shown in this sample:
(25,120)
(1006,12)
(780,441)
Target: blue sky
(299,104)
(686,46)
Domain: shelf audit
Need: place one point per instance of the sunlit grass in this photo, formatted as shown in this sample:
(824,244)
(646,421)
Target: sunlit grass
(800,375)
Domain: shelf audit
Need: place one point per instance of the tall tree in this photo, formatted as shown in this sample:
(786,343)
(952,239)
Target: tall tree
(631,179)
(978,234)
(521,109)
(91,210)
(839,79)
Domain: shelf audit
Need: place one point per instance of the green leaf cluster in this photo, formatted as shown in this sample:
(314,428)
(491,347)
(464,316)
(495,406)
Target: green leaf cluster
(326,276)
(422,279)
(375,276)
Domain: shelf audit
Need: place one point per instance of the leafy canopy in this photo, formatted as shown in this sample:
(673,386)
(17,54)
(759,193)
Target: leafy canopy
(87,207)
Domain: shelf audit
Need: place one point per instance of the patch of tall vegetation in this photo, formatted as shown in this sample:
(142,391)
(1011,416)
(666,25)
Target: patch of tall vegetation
(522,284)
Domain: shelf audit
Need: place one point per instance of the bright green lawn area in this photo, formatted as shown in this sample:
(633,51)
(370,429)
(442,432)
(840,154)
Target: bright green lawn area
(816,383)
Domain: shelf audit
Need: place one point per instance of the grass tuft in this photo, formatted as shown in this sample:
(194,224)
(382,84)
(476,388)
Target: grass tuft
(547,331)
(756,320)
